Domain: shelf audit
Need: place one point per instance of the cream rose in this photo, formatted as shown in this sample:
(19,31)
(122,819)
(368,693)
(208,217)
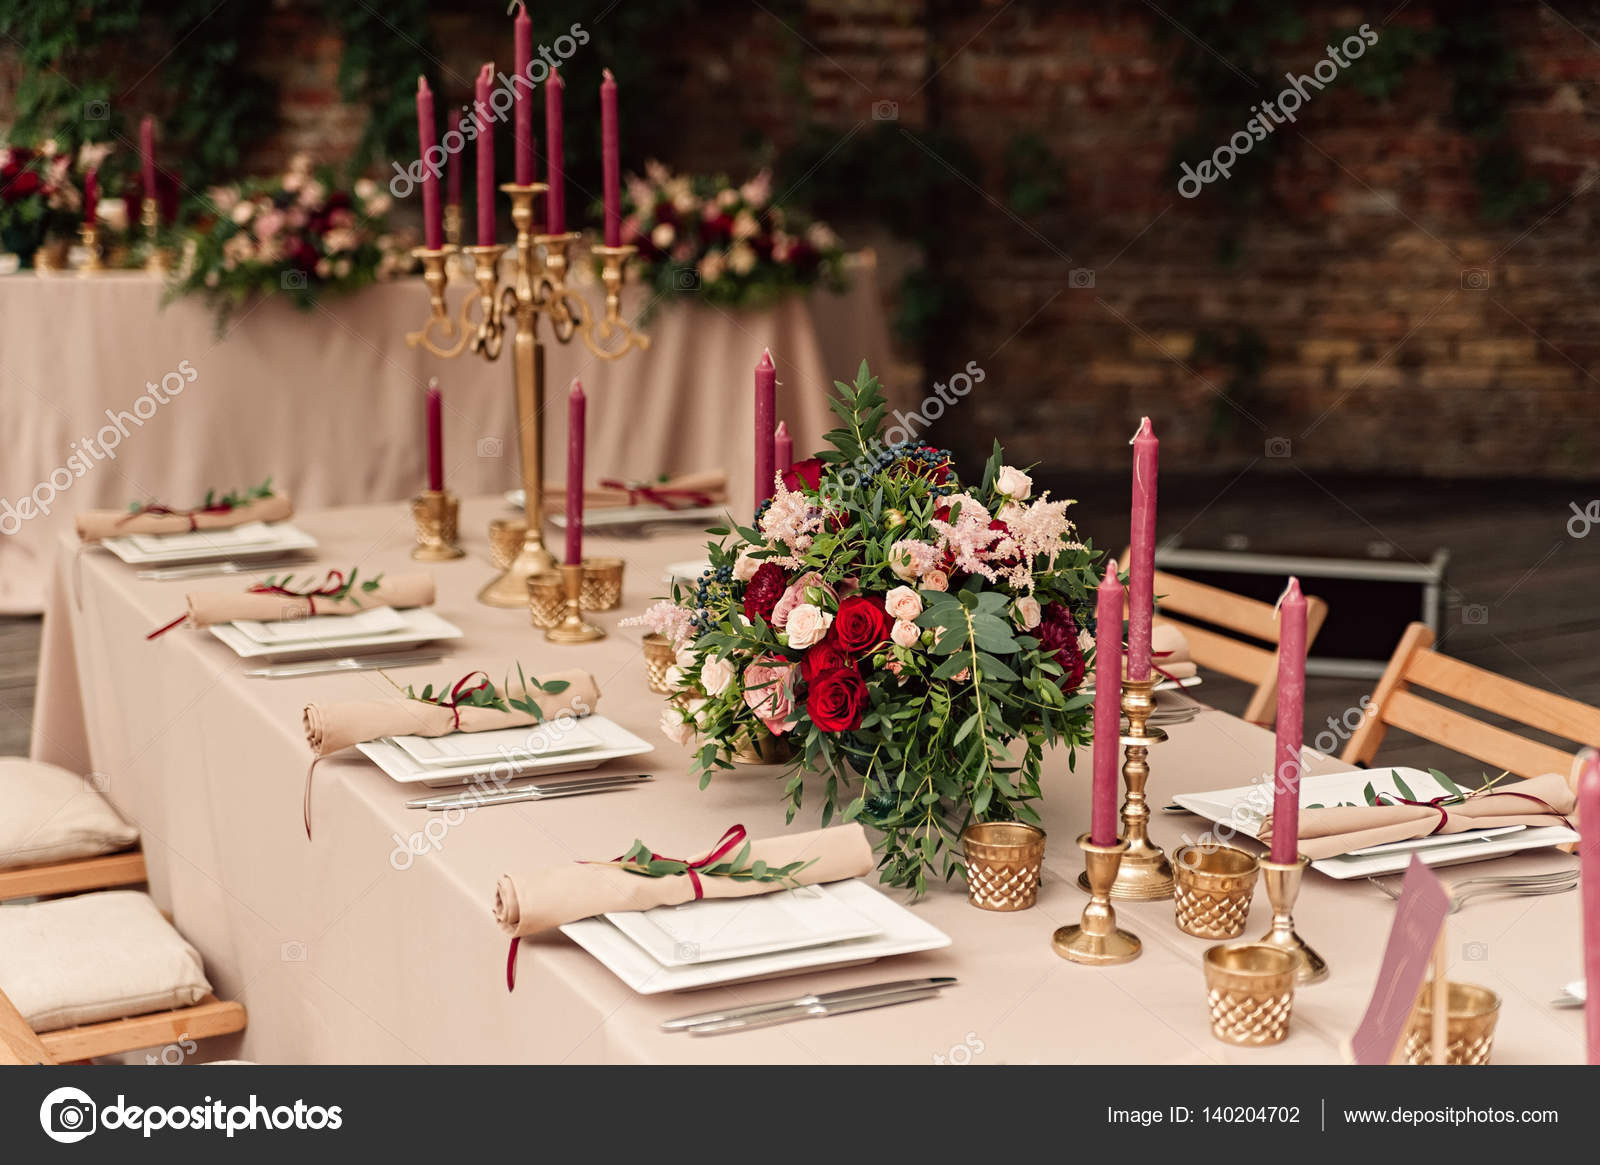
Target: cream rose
(674,727)
(904,633)
(1015,484)
(903,603)
(1028,612)
(936,580)
(716,674)
(808,623)
(744,569)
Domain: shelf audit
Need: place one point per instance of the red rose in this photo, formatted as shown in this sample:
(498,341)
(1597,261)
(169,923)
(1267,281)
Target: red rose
(837,700)
(763,591)
(824,656)
(807,473)
(860,623)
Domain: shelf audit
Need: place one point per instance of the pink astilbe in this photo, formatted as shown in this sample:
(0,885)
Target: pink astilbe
(666,618)
(793,521)
(970,542)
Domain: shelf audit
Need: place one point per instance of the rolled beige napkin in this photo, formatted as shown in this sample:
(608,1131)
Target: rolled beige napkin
(393,590)
(1328,833)
(94,525)
(527,903)
(331,728)
(679,493)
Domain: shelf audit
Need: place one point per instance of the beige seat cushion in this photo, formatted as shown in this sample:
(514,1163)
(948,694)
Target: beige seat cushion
(95,957)
(50,815)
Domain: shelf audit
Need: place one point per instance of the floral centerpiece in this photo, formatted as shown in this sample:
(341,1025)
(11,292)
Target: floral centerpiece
(731,244)
(40,197)
(917,641)
(298,233)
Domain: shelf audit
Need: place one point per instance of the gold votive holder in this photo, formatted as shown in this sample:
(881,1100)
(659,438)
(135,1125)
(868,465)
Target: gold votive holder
(547,598)
(1250,991)
(435,512)
(760,747)
(1095,940)
(602,584)
(1003,860)
(658,657)
(505,541)
(1469,1025)
(1212,890)
(572,628)
(1144,873)
(1282,880)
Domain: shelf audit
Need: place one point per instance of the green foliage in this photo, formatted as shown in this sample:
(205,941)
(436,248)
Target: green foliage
(1033,176)
(484,694)
(384,50)
(642,860)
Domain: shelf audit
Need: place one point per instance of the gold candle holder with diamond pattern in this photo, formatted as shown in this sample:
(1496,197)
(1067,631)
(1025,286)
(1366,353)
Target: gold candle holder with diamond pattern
(1145,874)
(1095,940)
(547,598)
(506,536)
(435,512)
(1003,861)
(1250,991)
(1283,887)
(602,584)
(1469,1025)
(1212,890)
(658,657)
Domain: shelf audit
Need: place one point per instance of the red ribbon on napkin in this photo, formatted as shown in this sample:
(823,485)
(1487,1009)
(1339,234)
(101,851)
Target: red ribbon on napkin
(1437,805)
(667,498)
(213,508)
(332,584)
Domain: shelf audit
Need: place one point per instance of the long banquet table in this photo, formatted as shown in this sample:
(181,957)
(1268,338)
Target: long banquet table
(340,956)
(330,402)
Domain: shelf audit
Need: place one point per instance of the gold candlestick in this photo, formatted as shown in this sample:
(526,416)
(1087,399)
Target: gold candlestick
(572,628)
(90,233)
(536,289)
(1095,940)
(1145,873)
(1283,888)
(435,512)
(157,262)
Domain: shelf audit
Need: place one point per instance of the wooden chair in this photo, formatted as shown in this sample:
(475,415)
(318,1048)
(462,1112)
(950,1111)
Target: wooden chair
(1244,616)
(19,1044)
(1415,664)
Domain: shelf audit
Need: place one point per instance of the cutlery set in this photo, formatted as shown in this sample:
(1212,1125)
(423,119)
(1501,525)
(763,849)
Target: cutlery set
(814,1006)
(1467,889)
(511,794)
(212,569)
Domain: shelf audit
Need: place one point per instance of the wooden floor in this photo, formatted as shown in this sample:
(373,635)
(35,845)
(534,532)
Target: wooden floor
(1524,592)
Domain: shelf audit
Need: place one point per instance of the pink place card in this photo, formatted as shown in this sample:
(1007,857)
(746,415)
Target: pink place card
(1418,921)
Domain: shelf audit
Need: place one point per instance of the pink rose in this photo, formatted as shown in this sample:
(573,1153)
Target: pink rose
(905,634)
(769,693)
(903,603)
(807,624)
(936,580)
(795,595)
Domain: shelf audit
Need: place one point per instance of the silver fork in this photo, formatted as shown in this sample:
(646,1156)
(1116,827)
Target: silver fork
(1464,891)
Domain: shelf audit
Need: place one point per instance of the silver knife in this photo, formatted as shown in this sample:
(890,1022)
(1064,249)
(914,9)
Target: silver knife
(814,1011)
(847,995)
(347,663)
(529,792)
(205,569)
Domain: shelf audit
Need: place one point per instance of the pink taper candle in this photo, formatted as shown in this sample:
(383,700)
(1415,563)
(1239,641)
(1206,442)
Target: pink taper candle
(435,437)
(91,197)
(1107,709)
(576,406)
(1589,864)
(147,153)
(427,145)
(1142,557)
(1291,724)
(522,127)
(783,449)
(766,414)
(485,121)
(611,162)
(555,202)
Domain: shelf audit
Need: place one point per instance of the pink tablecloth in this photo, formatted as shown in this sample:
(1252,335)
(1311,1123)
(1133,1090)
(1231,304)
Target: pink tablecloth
(330,403)
(342,954)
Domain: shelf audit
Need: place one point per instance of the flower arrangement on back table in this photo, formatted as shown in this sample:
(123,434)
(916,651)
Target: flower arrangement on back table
(41,195)
(731,244)
(917,641)
(297,233)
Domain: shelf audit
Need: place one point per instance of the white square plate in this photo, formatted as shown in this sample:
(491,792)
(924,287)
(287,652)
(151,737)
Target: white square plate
(205,545)
(616,742)
(714,929)
(903,933)
(420,625)
(378,621)
(1245,809)
(462,748)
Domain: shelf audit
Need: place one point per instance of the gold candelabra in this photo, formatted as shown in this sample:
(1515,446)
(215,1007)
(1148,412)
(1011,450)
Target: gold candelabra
(537,288)
(1145,872)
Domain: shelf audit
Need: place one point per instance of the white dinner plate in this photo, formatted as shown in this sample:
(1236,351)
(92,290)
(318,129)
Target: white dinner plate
(714,929)
(317,628)
(903,933)
(462,748)
(258,539)
(420,625)
(616,742)
(1245,808)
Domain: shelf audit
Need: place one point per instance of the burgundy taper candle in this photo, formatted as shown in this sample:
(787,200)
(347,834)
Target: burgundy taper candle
(555,201)
(435,438)
(577,404)
(427,144)
(1589,865)
(766,413)
(783,449)
(611,163)
(485,177)
(1107,708)
(1291,724)
(1142,555)
(522,126)
(91,197)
